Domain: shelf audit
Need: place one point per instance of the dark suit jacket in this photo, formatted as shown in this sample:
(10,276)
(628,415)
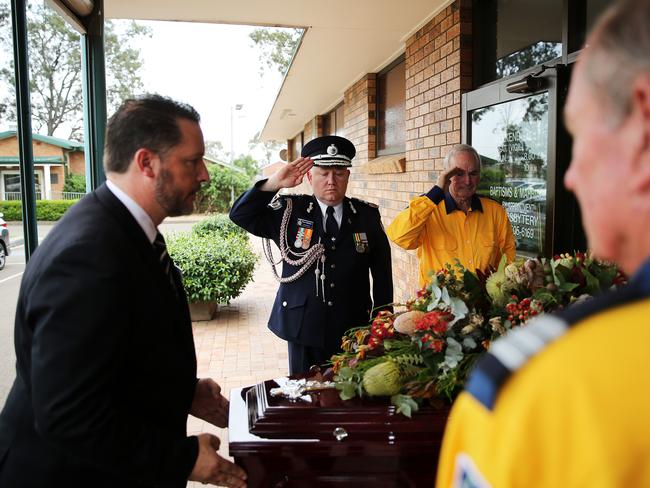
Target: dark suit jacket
(106,366)
(298,314)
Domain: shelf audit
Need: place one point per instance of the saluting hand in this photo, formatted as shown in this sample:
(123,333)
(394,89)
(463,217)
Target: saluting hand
(445,176)
(289,175)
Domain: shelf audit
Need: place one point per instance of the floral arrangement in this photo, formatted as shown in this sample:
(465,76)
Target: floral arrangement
(424,351)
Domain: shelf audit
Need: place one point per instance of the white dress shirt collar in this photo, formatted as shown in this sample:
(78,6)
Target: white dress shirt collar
(141,217)
(338,212)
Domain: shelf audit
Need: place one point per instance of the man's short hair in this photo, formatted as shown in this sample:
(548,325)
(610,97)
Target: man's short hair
(149,121)
(460,148)
(618,51)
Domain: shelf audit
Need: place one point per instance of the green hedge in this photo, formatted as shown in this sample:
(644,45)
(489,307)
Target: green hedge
(215,267)
(224,184)
(45,209)
(219,224)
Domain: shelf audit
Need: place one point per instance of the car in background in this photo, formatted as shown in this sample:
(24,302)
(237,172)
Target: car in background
(4,242)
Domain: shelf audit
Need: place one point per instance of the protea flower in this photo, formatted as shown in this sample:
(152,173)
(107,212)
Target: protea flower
(383,379)
(405,323)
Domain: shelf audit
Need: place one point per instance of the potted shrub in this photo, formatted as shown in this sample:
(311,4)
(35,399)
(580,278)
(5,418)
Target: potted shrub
(216,268)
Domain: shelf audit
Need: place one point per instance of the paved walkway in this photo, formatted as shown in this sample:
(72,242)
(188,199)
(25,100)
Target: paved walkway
(236,348)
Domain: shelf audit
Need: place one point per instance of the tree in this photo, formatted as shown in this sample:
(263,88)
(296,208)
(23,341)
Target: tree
(214,150)
(218,194)
(248,164)
(527,57)
(55,69)
(277,47)
(75,183)
(269,147)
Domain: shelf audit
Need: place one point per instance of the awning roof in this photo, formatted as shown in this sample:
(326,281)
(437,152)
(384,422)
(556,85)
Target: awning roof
(344,41)
(55,141)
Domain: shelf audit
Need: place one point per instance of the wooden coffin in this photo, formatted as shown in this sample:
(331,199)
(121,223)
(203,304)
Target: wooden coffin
(332,443)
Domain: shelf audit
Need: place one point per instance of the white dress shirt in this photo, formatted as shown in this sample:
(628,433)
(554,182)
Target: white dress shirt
(141,217)
(338,212)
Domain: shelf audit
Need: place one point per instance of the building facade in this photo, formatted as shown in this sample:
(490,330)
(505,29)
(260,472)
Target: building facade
(490,73)
(54,158)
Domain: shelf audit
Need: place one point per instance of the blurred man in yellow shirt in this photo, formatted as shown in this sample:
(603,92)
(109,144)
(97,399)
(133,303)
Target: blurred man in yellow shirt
(563,402)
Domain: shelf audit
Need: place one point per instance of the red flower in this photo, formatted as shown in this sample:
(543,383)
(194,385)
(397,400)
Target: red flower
(430,342)
(422,293)
(374,342)
(436,321)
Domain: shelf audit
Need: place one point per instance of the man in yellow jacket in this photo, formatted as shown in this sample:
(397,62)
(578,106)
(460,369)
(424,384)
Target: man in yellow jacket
(563,402)
(452,222)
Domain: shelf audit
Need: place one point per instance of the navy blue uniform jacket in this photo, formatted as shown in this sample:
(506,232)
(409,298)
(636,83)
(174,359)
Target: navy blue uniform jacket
(299,315)
(106,367)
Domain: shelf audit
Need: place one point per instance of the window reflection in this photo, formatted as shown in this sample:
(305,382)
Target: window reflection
(512,140)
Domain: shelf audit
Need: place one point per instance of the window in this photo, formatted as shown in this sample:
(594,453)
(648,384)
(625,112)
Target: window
(54,178)
(512,36)
(334,122)
(296,146)
(10,185)
(512,139)
(391,103)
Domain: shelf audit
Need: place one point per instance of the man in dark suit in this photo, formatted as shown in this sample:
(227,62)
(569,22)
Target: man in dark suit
(106,367)
(328,244)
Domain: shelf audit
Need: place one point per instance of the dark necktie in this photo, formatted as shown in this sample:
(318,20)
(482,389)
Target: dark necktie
(163,257)
(331,227)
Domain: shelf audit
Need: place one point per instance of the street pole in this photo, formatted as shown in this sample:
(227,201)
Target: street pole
(238,107)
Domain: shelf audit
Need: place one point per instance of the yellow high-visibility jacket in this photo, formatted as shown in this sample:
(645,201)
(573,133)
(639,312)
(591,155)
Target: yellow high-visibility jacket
(566,406)
(441,232)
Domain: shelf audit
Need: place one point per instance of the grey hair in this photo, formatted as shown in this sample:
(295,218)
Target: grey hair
(460,148)
(618,51)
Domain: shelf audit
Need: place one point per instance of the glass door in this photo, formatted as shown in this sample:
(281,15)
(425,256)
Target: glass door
(512,139)
(525,152)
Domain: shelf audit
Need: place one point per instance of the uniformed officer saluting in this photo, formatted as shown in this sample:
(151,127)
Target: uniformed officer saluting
(328,243)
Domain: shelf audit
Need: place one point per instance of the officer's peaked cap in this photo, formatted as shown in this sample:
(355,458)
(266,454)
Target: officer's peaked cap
(329,151)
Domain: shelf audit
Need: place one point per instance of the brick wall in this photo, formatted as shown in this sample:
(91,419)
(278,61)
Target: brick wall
(77,163)
(438,69)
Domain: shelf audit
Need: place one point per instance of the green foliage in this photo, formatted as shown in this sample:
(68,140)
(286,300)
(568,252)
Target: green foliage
(50,210)
(215,267)
(269,147)
(491,176)
(225,184)
(12,210)
(277,47)
(248,164)
(55,68)
(218,224)
(75,183)
(405,404)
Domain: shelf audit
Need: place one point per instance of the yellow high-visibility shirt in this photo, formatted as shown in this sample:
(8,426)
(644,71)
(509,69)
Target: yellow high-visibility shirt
(441,232)
(576,414)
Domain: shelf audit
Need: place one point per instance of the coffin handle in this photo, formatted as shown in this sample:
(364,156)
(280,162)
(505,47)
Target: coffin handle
(340,433)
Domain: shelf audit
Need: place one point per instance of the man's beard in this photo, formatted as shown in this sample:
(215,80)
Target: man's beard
(169,197)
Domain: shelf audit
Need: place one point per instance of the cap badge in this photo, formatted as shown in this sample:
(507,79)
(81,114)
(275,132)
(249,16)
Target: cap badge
(332,150)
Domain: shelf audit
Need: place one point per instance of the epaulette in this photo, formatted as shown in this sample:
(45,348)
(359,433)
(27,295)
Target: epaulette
(370,204)
(510,353)
(278,200)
